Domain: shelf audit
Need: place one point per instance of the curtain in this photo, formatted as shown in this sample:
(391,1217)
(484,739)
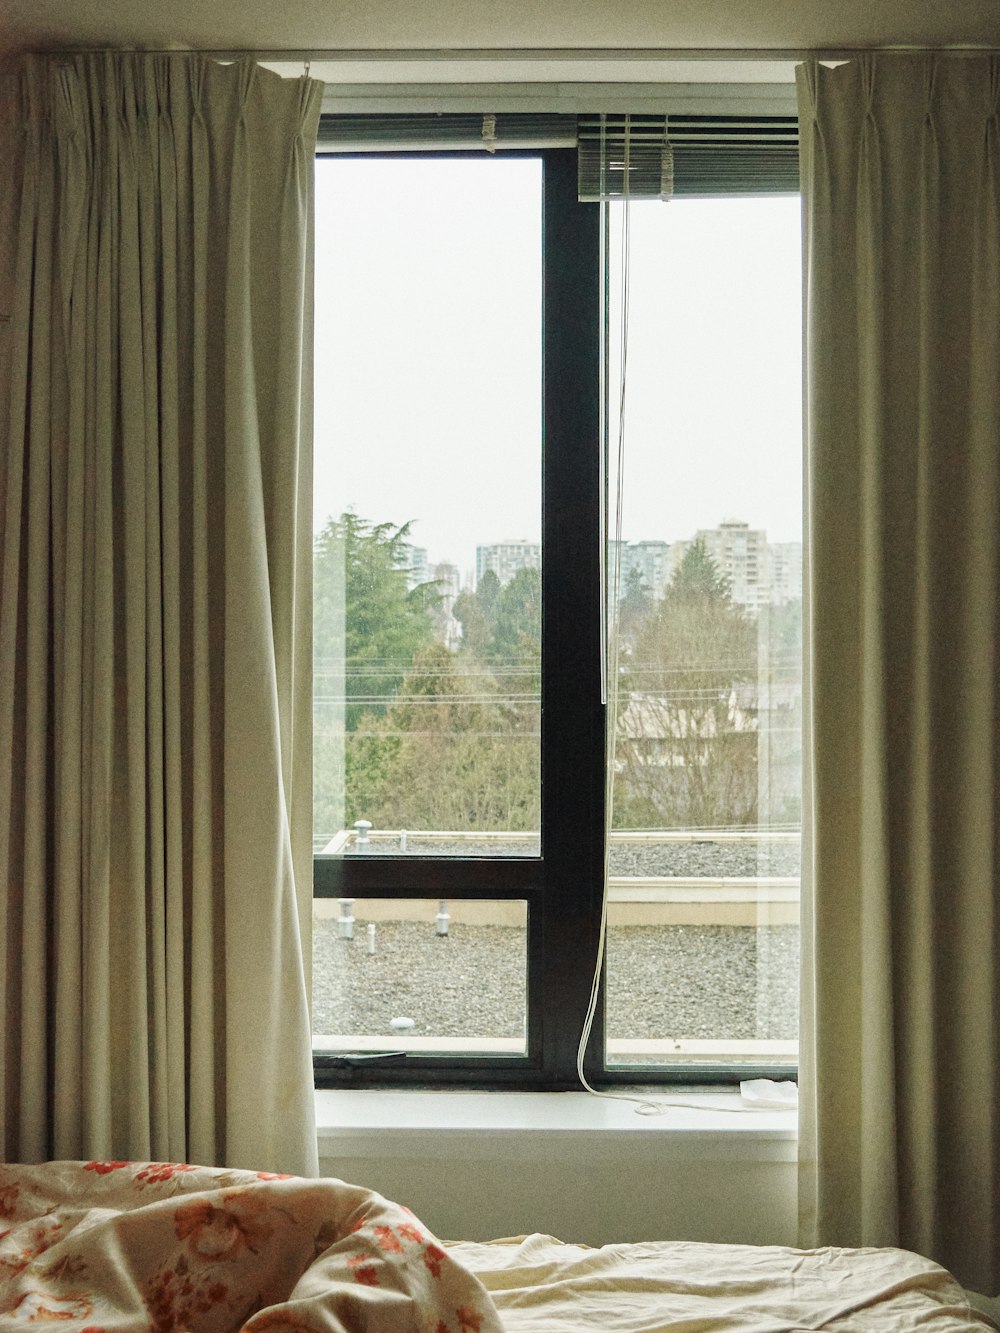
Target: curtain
(155,558)
(900,1133)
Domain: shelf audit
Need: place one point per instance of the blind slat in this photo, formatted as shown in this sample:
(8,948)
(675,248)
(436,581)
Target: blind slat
(426,132)
(707,155)
(682,155)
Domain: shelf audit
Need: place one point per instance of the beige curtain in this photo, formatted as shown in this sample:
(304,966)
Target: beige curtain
(900,1066)
(155,493)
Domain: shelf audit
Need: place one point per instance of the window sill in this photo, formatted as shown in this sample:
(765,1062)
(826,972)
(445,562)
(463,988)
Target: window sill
(546,1126)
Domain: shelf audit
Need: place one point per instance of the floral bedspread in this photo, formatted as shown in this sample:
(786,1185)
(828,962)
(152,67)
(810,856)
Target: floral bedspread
(119,1247)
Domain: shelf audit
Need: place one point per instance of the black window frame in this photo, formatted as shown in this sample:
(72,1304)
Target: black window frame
(563,886)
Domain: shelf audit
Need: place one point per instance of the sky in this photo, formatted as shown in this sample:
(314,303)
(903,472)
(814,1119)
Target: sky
(428,355)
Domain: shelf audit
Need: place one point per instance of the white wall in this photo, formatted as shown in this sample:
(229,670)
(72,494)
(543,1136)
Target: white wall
(593,1200)
(475,1166)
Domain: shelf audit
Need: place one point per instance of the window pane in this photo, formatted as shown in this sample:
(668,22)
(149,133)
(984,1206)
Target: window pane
(408,975)
(428,503)
(703,919)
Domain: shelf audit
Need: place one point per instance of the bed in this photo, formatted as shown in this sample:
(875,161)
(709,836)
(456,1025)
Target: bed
(538,1283)
(117,1247)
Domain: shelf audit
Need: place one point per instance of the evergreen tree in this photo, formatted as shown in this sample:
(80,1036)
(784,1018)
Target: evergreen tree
(450,752)
(517,620)
(367,621)
(368,624)
(635,607)
(697,580)
(409,734)
(477,628)
(687,743)
(487,592)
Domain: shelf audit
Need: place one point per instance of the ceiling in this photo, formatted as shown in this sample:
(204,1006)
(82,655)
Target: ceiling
(483,29)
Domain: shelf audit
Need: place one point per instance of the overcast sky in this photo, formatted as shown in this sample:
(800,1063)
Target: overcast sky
(428,356)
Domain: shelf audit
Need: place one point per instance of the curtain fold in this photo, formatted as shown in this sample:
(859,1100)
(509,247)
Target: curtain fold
(155,587)
(900,1132)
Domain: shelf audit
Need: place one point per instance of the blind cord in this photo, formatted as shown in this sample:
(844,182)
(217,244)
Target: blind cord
(612,619)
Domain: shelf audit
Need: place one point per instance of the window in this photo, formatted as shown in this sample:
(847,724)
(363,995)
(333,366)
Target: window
(702,950)
(459,723)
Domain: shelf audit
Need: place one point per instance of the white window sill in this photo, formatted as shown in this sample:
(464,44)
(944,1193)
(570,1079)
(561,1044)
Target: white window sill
(545,1126)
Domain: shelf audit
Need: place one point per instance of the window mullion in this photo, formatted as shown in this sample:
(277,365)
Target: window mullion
(572,714)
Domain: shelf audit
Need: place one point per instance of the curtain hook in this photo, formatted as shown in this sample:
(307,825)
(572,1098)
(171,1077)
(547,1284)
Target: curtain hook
(306,67)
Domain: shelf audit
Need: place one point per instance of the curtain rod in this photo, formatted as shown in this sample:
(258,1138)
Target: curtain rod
(508,54)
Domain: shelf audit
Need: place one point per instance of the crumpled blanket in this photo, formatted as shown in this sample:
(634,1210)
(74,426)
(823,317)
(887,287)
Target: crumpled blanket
(119,1247)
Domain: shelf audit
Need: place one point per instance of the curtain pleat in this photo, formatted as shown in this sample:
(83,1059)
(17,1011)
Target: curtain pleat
(155,490)
(900,1128)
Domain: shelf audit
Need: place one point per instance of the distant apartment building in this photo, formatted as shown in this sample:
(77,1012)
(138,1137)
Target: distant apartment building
(675,557)
(759,573)
(740,554)
(649,559)
(448,581)
(784,560)
(506,558)
(418,568)
(448,585)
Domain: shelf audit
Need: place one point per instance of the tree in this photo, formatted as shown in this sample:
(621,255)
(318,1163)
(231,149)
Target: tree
(367,621)
(409,734)
(450,752)
(517,622)
(502,623)
(698,580)
(634,608)
(487,592)
(368,625)
(686,748)
(476,623)
(779,717)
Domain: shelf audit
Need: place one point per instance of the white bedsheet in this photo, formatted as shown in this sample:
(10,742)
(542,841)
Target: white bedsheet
(542,1286)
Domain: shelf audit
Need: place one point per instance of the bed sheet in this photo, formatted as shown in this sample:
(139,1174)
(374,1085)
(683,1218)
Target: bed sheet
(163,1247)
(542,1286)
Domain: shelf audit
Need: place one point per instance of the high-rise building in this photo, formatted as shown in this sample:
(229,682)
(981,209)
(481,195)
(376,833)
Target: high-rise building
(648,559)
(740,554)
(759,572)
(448,585)
(418,569)
(506,558)
(784,560)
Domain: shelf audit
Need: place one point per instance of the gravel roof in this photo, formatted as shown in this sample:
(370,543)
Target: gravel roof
(667,982)
(697,857)
(689,982)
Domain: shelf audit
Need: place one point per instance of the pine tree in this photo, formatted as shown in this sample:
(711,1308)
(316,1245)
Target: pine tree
(687,745)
